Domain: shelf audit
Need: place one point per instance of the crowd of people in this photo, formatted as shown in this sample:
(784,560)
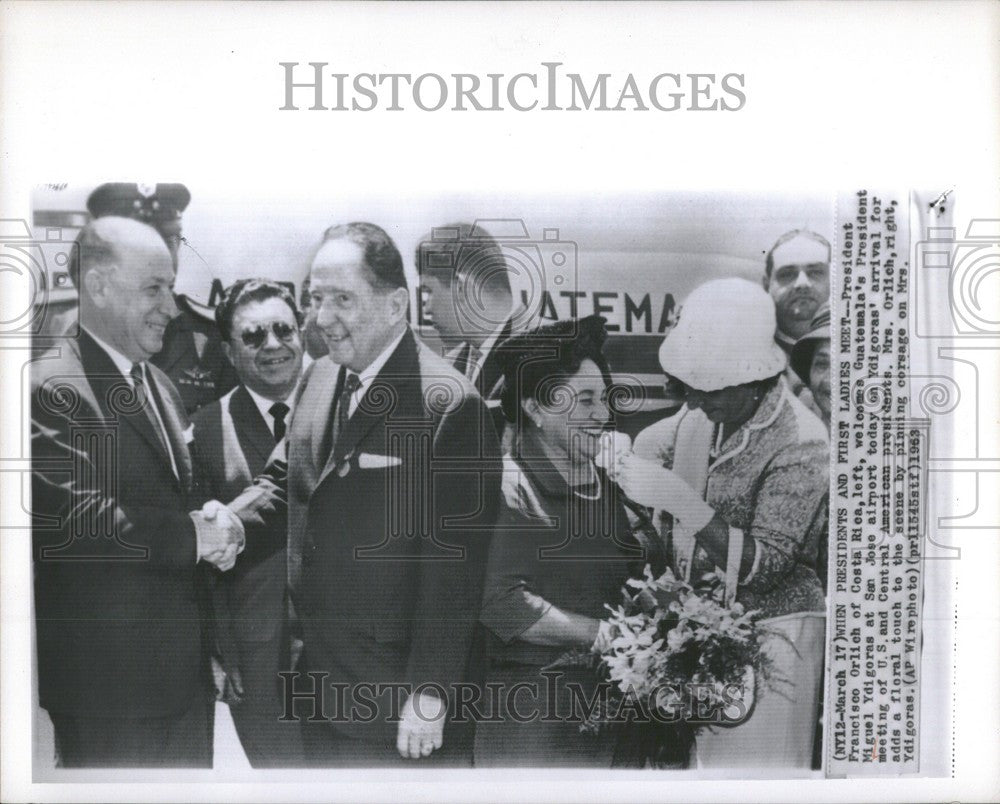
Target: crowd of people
(355,541)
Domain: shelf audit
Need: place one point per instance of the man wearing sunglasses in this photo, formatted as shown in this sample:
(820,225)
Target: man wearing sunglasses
(233,438)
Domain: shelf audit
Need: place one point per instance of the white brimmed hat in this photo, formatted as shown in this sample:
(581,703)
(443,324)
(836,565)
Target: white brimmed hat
(724,337)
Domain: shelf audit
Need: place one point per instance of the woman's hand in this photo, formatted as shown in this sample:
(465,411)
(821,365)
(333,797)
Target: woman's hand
(652,485)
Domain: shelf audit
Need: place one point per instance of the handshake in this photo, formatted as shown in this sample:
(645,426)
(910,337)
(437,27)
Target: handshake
(220,535)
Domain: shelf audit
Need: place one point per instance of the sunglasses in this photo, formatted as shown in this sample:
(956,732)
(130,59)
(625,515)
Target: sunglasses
(256,337)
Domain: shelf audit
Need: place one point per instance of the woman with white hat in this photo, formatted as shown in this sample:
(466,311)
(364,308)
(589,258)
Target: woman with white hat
(739,477)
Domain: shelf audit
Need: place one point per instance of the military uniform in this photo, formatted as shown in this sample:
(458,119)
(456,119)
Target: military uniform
(192,357)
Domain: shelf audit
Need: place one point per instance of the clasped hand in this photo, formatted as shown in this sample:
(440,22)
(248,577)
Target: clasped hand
(220,535)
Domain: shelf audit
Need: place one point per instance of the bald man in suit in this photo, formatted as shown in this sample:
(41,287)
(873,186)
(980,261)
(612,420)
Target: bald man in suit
(121,669)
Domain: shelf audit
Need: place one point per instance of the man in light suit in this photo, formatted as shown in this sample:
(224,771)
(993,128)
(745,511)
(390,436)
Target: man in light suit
(233,438)
(391,488)
(464,274)
(121,668)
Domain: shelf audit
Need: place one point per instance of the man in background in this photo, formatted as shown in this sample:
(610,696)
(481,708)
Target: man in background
(192,354)
(233,438)
(312,335)
(797,276)
(464,275)
(121,667)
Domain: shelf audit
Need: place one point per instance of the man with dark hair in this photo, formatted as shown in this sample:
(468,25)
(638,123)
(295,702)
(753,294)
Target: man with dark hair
(192,354)
(390,488)
(463,273)
(233,438)
(121,669)
(797,277)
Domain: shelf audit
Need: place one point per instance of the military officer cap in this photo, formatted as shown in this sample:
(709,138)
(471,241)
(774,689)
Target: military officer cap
(155,204)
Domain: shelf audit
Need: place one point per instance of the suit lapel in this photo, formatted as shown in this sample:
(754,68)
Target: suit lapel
(113,392)
(256,439)
(380,400)
(316,403)
(173,424)
(489,377)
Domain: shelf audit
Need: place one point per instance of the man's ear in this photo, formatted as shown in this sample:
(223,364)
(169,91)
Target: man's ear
(765,280)
(227,350)
(95,283)
(399,303)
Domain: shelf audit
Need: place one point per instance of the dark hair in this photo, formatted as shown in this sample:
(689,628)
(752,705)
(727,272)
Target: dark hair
(806,233)
(245,291)
(533,361)
(463,249)
(382,258)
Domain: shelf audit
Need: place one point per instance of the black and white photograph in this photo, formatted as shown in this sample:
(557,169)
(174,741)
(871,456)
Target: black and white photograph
(517,402)
(431,491)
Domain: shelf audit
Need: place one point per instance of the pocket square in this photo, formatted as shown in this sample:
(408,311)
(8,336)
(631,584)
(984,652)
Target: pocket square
(369,460)
(189,434)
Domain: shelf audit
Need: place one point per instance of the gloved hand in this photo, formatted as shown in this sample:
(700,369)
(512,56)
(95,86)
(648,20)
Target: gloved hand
(652,485)
(614,446)
(605,634)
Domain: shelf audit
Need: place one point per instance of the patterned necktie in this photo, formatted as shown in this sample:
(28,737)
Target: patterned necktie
(147,402)
(278,412)
(342,416)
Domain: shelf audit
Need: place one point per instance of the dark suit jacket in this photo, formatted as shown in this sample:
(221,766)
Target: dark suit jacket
(232,443)
(386,562)
(114,549)
(489,379)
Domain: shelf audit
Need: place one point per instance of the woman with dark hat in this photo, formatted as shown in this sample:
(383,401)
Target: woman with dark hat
(739,478)
(561,550)
(811,360)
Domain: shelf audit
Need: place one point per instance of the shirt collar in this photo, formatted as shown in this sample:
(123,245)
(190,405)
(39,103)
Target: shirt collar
(264,404)
(784,341)
(767,413)
(490,342)
(122,363)
(373,368)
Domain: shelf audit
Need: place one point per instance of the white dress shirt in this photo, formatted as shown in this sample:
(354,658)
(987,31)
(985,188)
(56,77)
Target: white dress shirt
(371,372)
(264,406)
(124,365)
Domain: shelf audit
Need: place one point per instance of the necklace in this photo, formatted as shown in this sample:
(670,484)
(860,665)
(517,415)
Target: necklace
(594,481)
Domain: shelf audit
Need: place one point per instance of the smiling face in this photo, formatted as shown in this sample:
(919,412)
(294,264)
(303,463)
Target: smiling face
(273,368)
(358,321)
(133,298)
(571,413)
(799,283)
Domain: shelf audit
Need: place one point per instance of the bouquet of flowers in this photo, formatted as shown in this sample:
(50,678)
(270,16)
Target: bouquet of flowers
(678,660)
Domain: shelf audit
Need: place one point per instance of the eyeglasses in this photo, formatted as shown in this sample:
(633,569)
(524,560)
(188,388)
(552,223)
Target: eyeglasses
(256,337)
